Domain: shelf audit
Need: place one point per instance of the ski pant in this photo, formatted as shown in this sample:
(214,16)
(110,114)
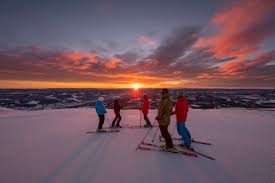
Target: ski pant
(184,133)
(101,120)
(117,120)
(166,135)
(146,119)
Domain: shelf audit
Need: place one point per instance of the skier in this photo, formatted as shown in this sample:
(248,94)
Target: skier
(164,111)
(100,110)
(145,109)
(117,108)
(181,111)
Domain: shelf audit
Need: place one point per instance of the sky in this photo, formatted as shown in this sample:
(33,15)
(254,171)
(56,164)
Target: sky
(153,43)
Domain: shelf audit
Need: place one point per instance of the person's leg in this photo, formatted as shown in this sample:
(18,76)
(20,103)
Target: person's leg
(179,129)
(114,121)
(147,119)
(189,135)
(101,121)
(163,133)
(185,135)
(166,136)
(119,119)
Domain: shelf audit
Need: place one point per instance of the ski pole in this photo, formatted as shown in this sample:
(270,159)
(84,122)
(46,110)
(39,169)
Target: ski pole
(123,114)
(155,134)
(108,120)
(122,117)
(174,130)
(140,118)
(146,134)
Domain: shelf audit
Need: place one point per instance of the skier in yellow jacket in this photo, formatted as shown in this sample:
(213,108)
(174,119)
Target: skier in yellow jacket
(164,111)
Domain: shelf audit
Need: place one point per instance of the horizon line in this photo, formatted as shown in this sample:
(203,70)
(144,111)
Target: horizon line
(225,88)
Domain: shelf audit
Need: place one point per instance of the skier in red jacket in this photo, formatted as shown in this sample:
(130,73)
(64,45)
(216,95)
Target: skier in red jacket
(145,110)
(181,112)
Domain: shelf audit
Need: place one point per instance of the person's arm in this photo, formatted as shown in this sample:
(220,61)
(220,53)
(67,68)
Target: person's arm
(170,106)
(104,109)
(96,107)
(175,111)
(159,111)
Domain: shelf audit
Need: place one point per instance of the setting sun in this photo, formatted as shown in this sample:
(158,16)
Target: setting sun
(136,86)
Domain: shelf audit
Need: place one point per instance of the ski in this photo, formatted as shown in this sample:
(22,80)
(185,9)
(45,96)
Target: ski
(138,126)
(193,140)
(106,131)
(129,126)
(158,148)
(196,152)
(200,142)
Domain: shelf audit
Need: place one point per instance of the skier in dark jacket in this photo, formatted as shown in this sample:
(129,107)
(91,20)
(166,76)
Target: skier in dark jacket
(117,108)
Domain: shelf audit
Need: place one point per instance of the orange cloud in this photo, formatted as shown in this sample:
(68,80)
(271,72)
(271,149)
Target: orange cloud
(72,60)
(237,67)
(241,28)
(206,76)
(73,55)
(243,69)
(240,66)
(112,63)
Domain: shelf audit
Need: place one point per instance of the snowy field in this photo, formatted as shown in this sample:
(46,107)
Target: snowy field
(52,146)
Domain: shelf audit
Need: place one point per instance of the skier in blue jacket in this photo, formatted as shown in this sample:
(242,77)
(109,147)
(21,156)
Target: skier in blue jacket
(100,110)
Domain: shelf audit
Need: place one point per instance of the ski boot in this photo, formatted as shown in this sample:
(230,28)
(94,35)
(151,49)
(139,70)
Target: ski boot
(118,126)
(168,149)
(100,130)
(187,146)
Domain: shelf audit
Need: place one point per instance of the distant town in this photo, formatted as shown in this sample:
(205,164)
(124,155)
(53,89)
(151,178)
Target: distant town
(39,99)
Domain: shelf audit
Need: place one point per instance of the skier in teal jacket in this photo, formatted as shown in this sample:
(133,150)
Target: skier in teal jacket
(100,110)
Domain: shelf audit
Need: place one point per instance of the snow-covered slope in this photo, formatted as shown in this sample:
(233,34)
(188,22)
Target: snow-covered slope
(52,146)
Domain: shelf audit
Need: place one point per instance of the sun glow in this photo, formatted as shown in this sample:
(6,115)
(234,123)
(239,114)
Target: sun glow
(136,86)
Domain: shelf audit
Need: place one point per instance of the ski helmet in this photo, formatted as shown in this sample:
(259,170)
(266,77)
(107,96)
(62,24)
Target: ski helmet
(100,99)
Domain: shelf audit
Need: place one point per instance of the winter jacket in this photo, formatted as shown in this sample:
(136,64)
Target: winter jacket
(100,108)
(164,110)
(117,107)
(181,110)
(145,107)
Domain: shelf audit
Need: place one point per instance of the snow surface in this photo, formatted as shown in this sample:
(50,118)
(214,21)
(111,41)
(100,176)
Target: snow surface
(52,146)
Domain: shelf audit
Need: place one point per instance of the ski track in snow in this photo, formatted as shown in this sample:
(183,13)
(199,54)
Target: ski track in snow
(52,146)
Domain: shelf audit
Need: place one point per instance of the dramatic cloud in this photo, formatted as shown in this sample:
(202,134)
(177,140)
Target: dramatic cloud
(229,57)
(241,28)
(175,45)
(70,66)
(23,63)
(248,73)
(113,63)
(129,57)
